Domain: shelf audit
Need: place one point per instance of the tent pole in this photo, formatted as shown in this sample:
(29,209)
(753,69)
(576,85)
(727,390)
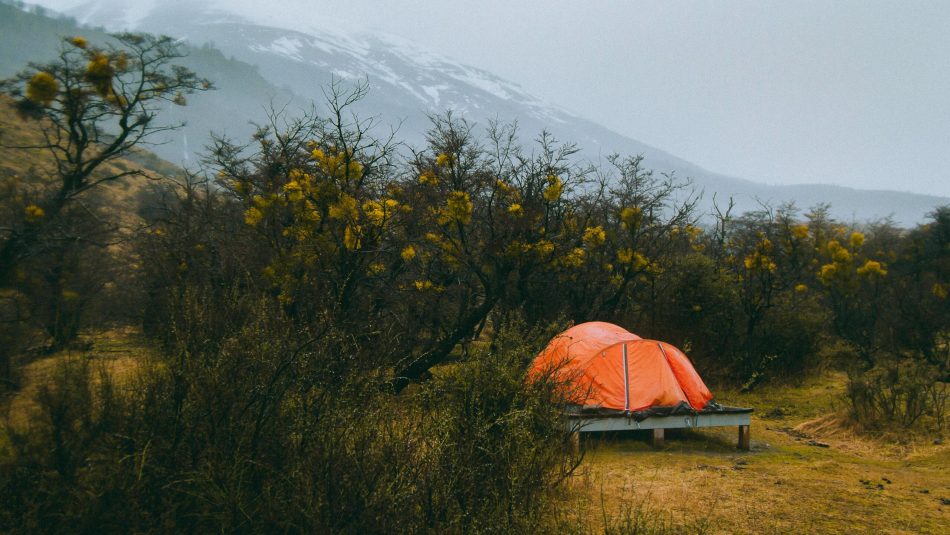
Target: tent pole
(626,380)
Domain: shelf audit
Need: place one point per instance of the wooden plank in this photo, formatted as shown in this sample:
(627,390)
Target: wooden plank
(656,438)
(622,423)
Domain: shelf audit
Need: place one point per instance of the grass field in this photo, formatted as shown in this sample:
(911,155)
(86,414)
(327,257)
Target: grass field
(806,471)
(119,352)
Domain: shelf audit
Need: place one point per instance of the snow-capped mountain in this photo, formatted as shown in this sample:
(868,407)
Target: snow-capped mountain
(406,81)
(295,66)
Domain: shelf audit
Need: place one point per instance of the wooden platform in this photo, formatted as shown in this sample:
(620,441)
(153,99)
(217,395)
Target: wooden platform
(599,423)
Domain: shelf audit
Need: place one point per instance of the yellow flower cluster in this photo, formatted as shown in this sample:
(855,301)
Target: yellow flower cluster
(760,258)
(99,73)
(408,253)
(594,236)
(459,207)
(351,237)
(625,255)
(428,178)
(294,191)
(693,232)
(857,240)
(516,210)
(338,164)
(838,253)
(380,212)
(872,268)
(258,209)
(423,285)
(628,256)
(554,189)
(79,42)
(543,247)
(801,288)
(42,88)
(310,212)
(574,258)
(299,189)
(827,273)
(939,290)
(34,213)
(630,217)
(344,209)
(263,202)
(444,159)
(253,216)
(640,261)
(800,232)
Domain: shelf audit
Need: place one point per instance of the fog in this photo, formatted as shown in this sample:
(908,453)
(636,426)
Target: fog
(848,93)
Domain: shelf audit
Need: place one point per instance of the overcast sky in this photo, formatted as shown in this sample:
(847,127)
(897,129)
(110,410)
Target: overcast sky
(851,93)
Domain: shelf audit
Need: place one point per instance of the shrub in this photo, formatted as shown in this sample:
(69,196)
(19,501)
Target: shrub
(249,425)
(901,391)
(499,443)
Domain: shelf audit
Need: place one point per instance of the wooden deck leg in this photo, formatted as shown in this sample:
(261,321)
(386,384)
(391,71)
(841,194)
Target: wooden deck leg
(656,439)
(576,442)
(744,437)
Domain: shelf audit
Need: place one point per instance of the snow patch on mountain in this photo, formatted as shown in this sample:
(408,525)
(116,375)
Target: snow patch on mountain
(433,91)
(284,46)
(408,83)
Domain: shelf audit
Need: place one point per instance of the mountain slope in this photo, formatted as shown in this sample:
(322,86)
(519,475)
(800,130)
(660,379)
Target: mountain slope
(241,96)
(293,68)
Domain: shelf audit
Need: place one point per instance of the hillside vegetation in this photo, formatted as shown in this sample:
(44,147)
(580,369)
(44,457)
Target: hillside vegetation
(241,97)
(318,331)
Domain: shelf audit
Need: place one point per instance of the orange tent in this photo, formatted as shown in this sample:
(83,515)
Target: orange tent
(611,368)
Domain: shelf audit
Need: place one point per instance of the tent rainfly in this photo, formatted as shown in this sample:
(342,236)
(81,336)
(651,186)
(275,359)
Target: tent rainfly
(618,381)
(612,369)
